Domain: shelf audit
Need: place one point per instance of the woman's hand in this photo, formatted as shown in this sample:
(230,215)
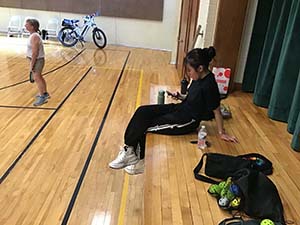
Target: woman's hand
(176,95)
(172,94)
(227,137)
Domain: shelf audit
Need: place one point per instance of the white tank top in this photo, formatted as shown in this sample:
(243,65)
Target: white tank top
(41,53)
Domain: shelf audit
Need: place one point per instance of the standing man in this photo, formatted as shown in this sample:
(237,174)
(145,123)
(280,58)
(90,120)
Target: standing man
(36,55)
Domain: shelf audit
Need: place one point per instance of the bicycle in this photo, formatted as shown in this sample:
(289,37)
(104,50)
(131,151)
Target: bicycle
(71,32)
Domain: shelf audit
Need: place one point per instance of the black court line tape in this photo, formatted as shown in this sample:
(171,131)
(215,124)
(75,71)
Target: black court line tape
(11,167)
(26,107)
(44,74)
(92,150)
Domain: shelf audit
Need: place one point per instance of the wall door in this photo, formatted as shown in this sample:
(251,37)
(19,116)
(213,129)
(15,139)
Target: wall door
(187,30)
(205,26)
(228,34)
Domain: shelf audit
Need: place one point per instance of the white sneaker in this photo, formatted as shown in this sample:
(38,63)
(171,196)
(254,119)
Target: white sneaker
(137,168)
(125,158)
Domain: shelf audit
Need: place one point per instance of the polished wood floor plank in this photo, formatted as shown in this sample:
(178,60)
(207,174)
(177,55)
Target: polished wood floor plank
(127,96)
(14,67)
(39,189)
(17,128)
(108,183)
(183,209)
(59,84)
(44,181)
(112,59)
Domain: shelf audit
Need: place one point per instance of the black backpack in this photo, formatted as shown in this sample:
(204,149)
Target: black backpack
(222,166)
(260,196)
(257,194)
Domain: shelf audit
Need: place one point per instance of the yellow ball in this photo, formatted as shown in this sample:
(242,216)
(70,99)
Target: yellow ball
(235,202)
(267,222)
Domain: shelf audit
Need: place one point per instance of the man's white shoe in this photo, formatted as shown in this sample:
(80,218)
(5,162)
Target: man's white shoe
(126,157)
(136,168)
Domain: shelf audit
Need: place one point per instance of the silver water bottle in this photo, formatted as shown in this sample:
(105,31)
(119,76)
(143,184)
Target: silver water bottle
(161,97)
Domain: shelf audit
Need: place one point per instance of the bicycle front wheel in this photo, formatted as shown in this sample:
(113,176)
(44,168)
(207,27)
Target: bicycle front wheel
(99,38)
(67,36)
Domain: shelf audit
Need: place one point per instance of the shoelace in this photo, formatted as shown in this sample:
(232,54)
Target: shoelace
(122,154)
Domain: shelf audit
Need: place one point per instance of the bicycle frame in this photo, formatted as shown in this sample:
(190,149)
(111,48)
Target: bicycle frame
(89,22)
(72,31)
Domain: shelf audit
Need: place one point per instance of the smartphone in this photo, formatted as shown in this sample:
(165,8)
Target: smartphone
(170,93)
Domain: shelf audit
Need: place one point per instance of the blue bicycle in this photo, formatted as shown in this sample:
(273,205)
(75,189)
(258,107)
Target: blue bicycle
(71,33)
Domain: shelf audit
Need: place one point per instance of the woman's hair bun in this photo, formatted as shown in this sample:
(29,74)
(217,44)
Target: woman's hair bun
(200,56)
(211,53)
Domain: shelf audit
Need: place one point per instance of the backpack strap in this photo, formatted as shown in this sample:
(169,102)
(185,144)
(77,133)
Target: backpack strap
(232,221)
(239,221)
(200,176)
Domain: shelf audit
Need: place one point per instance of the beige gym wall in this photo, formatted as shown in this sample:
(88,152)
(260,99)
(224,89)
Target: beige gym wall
(131,32)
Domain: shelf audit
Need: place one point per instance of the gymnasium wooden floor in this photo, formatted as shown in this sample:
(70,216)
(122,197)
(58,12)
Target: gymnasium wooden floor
(54,158)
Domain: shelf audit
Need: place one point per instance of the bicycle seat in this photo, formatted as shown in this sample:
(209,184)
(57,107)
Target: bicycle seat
(68,22)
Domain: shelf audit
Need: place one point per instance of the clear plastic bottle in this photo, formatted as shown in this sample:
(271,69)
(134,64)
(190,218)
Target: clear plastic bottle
(202,137)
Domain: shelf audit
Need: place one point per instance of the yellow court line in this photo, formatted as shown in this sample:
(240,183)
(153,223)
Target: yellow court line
(139,94)
(126,178)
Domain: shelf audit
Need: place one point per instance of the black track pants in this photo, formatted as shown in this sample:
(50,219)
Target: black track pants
(162,119)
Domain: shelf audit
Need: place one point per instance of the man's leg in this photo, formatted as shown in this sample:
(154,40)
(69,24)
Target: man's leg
(41,83)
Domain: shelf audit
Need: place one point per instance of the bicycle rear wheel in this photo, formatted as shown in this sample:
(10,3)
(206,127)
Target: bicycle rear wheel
(99,38)
(67,36)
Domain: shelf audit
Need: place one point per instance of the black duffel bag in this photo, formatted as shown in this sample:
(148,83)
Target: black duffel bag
(222,166)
